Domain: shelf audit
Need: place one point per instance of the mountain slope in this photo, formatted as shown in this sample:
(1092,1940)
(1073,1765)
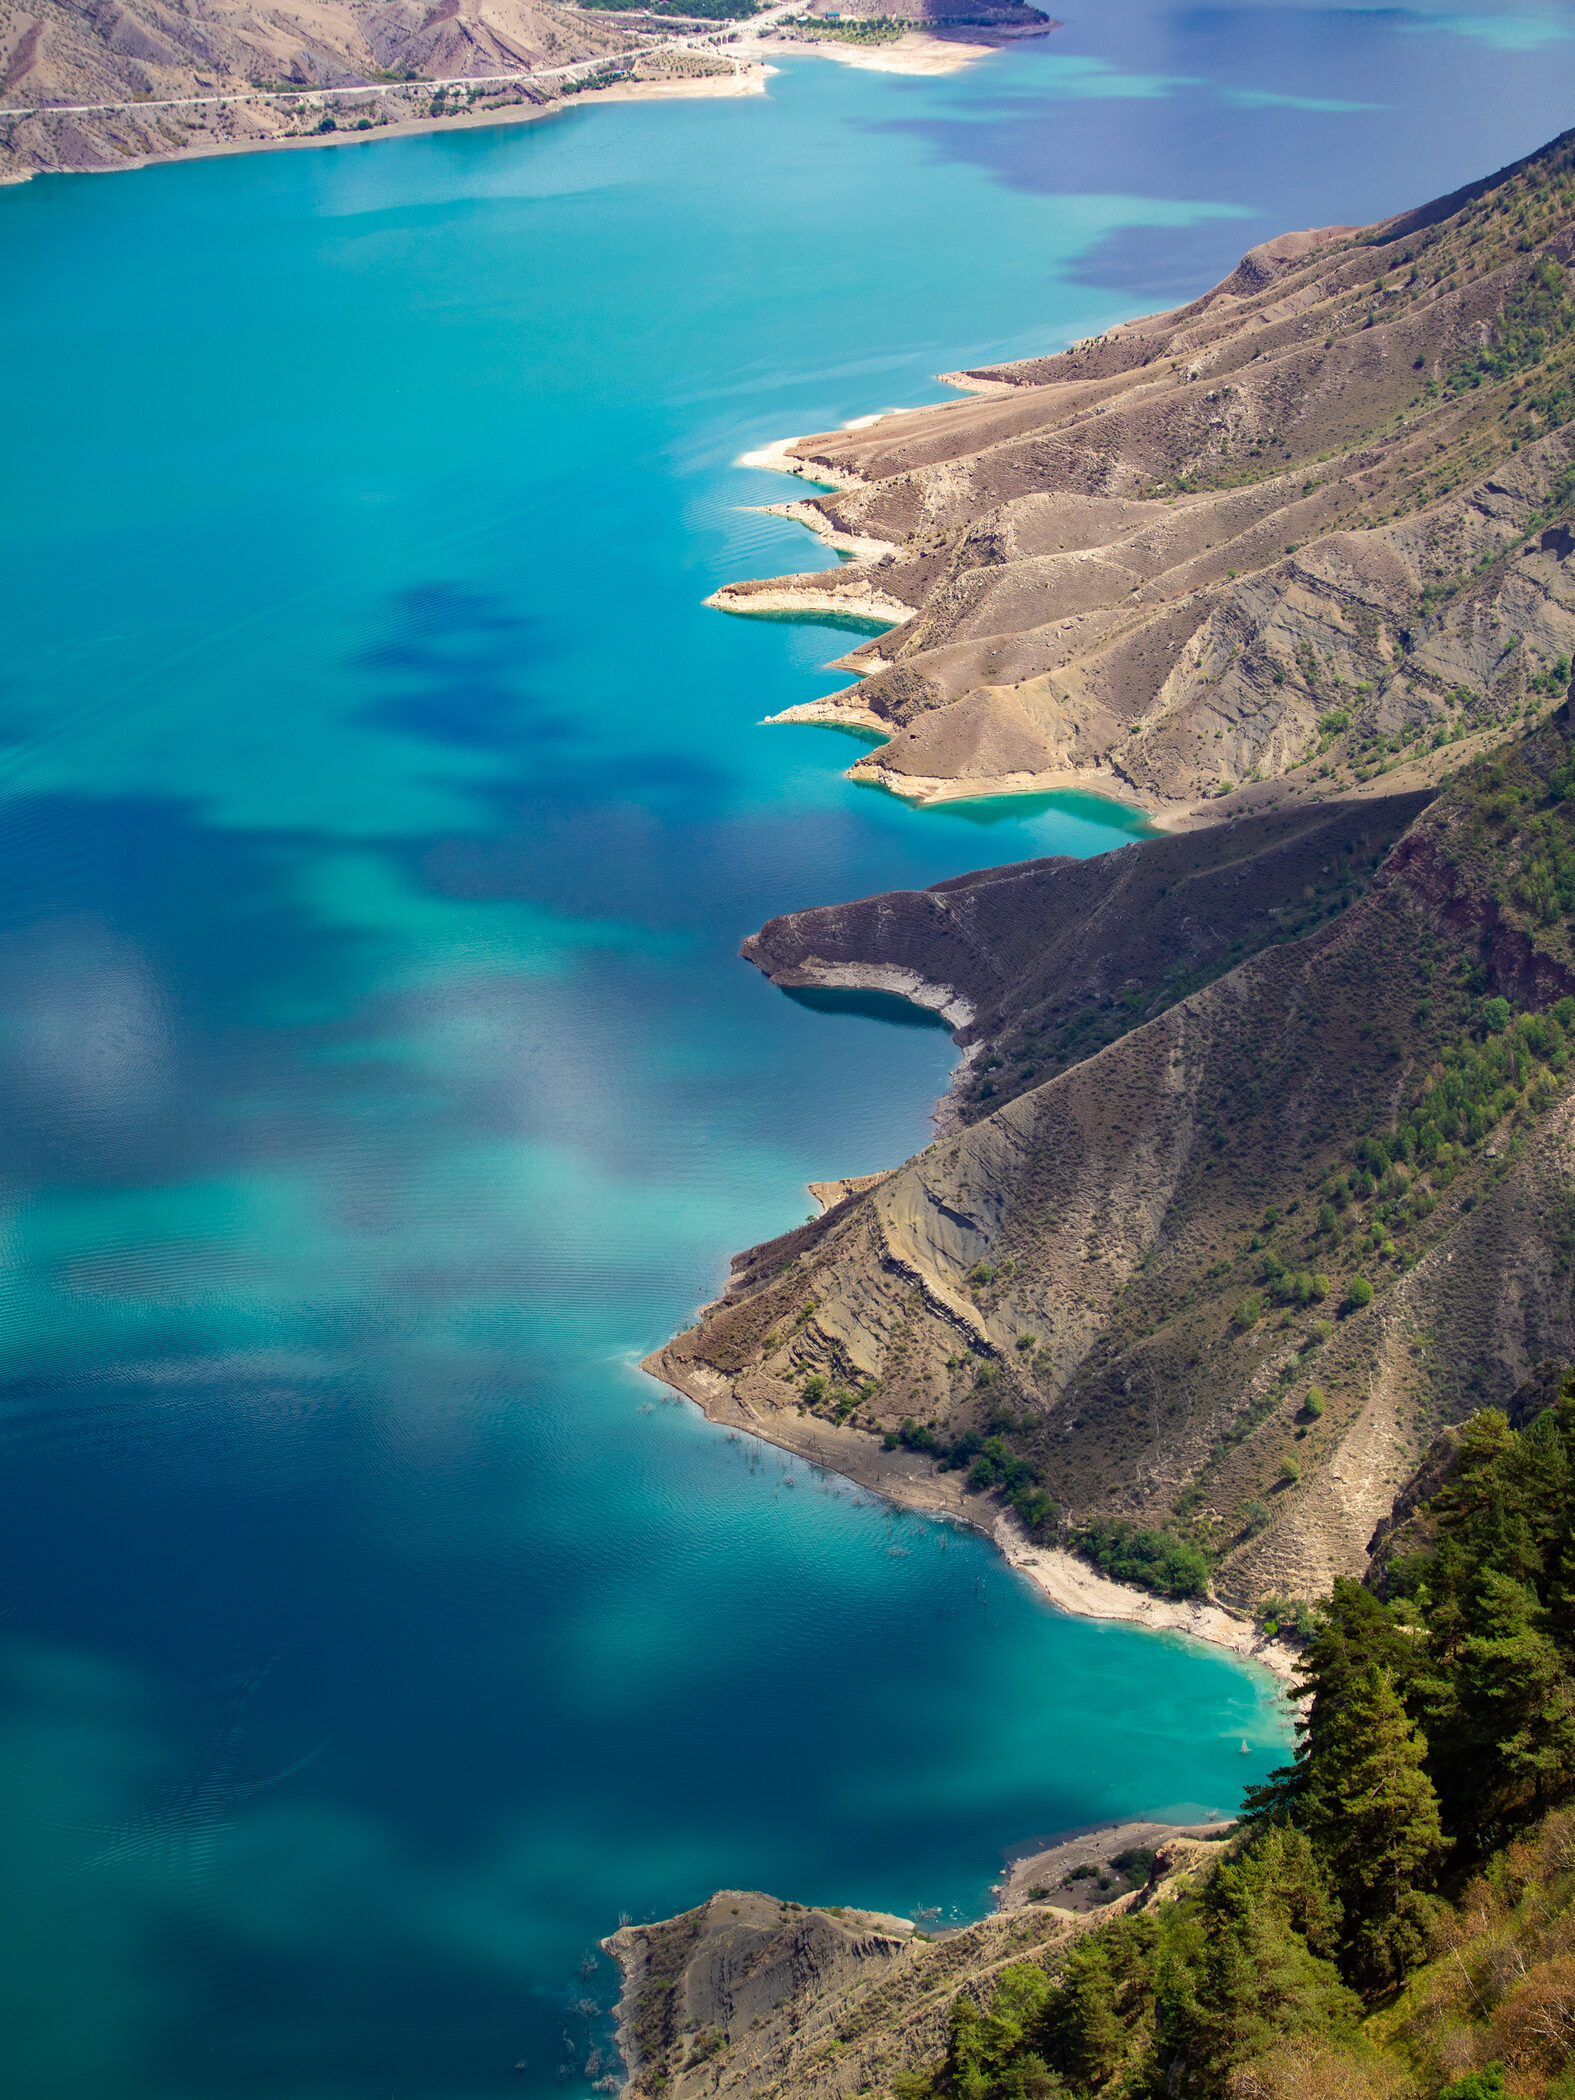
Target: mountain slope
(1311,521)
(1260,1181)
(1141,1275)
(1054,958)
(54,55)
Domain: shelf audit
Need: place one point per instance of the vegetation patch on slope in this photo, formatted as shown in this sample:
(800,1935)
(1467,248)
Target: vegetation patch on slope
(1400,1917)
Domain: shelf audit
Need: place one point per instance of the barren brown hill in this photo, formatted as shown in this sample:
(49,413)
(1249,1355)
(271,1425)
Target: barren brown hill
(1228,1274)
(1055,958)
(1265,1178)
(748,1995)
(1282,535)
(1265,1167)
(98,86)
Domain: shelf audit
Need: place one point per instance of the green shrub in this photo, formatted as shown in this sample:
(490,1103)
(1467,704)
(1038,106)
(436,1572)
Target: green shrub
(1248,1313)
(1152,1560)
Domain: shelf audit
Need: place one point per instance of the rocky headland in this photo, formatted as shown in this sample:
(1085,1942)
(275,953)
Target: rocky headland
(1256,1184)
(1251,1180)
(751,1995)
(1257,547)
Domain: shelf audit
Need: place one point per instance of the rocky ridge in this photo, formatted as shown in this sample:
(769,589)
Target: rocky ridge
(751,1995)
(131,80)
(1251,1182)
(1140,1275)
(1269,541)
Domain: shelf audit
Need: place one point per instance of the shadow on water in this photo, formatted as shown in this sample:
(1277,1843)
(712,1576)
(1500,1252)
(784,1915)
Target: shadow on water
(860,732)
(990,810)
(452,655)
(784,616)
(1251,100)
(869,1006)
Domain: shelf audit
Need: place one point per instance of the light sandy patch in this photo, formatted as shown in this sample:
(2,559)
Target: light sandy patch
(921,788)
(1073,1586)
(914,52)
(942,999)
(832,711)
(779,458)
(1047,1867)
(828,1194)
(761,1405)
(805,598)
(747,80)
(816,521)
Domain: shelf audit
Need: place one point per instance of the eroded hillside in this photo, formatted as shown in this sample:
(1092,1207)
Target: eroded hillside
(97,87)
(1311,525)
(1055,958)
(752,1995)
(1228,1273)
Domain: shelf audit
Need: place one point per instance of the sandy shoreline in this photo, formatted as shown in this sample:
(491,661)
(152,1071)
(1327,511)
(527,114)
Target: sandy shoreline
(1075,1587)
(916,53)
(911,1481)
(749,78)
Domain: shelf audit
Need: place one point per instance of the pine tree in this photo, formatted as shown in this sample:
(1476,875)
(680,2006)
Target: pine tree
(1256,1986)
(1506,1726)
(1258,1974)
(1355,1635)
(1085,2036)
(1373,1815)
(988,2054)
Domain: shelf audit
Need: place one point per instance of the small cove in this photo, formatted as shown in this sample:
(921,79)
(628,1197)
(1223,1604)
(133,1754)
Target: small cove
(382,813)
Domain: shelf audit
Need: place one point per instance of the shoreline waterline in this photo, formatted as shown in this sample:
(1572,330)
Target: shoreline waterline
(745,80)
(916,54)
(384,816)
(1064,1581)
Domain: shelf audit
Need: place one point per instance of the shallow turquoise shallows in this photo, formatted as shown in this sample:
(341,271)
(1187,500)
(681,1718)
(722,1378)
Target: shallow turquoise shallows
(380,812)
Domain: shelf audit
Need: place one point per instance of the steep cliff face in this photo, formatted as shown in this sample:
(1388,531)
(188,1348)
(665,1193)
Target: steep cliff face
(1310,519)
(1147,1274)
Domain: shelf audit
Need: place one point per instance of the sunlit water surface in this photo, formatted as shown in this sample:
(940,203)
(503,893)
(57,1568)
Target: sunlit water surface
(382,813)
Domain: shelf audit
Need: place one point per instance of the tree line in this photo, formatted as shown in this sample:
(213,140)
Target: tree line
(1438,1728)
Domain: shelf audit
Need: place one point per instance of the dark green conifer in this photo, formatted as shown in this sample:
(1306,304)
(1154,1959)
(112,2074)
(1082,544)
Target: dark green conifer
(1372,1814)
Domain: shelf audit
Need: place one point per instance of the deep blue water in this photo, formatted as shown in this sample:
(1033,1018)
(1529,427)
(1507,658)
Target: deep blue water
(382,811)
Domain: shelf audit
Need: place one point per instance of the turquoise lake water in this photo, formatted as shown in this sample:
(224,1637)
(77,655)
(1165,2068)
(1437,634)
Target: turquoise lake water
(381,814)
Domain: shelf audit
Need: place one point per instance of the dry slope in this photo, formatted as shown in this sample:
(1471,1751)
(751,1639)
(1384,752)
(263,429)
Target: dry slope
(748,1995)
(1312,519)
(1147,1275)
(140,55)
